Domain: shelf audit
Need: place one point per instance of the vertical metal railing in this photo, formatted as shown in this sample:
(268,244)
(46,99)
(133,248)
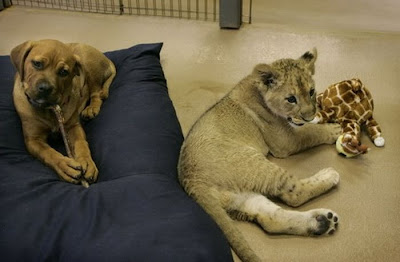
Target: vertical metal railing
(188,9)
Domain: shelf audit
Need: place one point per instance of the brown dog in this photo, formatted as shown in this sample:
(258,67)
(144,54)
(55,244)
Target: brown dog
(51,73)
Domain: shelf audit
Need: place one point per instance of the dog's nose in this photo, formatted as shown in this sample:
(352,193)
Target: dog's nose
(44,88)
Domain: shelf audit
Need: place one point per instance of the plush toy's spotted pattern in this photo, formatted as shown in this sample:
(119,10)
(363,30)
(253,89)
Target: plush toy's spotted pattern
(350,104)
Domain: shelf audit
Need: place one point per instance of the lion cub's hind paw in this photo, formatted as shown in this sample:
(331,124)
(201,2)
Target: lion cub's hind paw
(325,222)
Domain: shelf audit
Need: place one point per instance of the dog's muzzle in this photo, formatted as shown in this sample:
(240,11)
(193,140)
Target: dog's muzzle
(41,96)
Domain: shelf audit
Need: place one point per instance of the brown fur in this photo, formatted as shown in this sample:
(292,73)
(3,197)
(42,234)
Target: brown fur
(69,75)
(223,163)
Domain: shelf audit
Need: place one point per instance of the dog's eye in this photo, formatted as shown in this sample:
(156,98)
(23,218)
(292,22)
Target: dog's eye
(37,64)
(292,99)
(312,92)
(63,72)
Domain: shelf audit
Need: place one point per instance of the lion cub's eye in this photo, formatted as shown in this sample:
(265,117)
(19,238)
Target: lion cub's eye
(292,99)
(37,64)
(312,92)
(63,72)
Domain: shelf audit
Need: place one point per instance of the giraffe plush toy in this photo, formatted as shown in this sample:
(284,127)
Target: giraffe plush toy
(350,104)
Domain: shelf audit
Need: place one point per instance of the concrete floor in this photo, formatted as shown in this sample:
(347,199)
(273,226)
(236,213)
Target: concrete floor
(202,63)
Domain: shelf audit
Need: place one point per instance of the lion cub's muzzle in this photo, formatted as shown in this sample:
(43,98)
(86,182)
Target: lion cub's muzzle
(300,121)
(42,94)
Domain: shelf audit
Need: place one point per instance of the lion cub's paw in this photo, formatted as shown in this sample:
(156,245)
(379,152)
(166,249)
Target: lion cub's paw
(328,175)
(323,222)
(90,112)
(333,132)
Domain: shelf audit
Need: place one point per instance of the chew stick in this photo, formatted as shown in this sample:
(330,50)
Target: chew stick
(57,111)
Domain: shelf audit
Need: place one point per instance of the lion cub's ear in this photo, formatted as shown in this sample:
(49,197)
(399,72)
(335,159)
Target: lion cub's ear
(268,75)
(308,59)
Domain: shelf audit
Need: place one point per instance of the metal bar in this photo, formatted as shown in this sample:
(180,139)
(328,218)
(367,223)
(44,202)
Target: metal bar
(130,6)
(189,9)
(138,7)
(215,10)
(197,9)
(146,7)
(205,9)
(180,8)
(230,14)
(250,10)
(121,7)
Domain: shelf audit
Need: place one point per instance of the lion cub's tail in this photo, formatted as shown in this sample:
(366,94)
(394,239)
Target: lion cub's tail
(208,198)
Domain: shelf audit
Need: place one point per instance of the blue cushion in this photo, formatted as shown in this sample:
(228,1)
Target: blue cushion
(137,210)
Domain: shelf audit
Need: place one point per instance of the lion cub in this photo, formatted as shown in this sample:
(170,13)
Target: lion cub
(223,163)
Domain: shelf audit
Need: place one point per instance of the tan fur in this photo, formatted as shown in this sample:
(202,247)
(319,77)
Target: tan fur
(223,163)
(69,75)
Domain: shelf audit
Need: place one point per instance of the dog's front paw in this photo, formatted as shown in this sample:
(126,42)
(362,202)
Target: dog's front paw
(90,112)
(89,169)
(323,222)
(68,169)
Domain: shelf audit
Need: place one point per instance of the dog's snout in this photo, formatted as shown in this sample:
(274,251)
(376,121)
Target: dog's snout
(44,88)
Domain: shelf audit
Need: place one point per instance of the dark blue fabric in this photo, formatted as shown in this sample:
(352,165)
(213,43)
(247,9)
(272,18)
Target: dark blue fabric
(136,211)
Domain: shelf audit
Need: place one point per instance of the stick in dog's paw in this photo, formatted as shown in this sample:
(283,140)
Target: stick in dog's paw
(60,119)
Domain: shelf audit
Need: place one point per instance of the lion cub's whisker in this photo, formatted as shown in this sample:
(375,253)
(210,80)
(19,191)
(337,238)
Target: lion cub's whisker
(60,119)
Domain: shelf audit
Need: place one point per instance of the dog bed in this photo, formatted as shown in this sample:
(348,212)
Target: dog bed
(136,211)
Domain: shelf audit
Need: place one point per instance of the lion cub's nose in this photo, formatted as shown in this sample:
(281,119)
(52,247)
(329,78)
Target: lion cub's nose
(44,88)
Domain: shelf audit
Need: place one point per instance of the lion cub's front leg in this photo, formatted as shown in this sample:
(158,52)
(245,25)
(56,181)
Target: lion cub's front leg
(311,135)
(296,192)
(302,138)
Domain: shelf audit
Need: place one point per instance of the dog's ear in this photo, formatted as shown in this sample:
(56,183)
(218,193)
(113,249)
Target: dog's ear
(268,75)
(18,56)
(78,66)
(78,71)
(308,59)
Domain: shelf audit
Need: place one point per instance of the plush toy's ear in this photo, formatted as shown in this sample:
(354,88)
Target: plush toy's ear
(308,59)
(268,75)
(18,56)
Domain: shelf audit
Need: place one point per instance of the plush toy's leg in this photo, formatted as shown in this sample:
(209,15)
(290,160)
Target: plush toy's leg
(323,116)
(351,127)
(349,142)
(375,132)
